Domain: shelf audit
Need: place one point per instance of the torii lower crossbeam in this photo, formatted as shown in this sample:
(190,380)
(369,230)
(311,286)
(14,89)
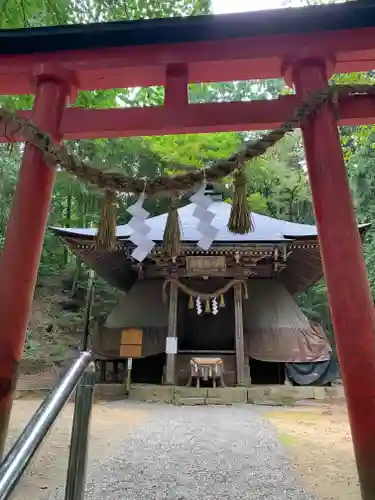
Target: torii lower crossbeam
(84,123)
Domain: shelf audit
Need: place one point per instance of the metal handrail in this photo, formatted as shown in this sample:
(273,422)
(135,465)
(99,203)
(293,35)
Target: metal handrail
(76,476)
(20,455)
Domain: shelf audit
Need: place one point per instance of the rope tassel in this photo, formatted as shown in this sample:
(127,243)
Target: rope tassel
(207,308)
(240,220)
(106,235)
(191,303)
(172,232)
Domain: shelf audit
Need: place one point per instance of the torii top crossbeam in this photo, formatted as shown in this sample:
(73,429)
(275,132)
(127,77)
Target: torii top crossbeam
(175,52)
(215,48)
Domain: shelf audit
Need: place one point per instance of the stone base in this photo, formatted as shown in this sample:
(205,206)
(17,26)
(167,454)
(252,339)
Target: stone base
(152,393)
(288,395)
(276,395)
(109,392)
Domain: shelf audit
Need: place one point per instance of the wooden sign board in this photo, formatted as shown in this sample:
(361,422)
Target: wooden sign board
(171,345)
(131,336)
(130,351)
(205,265)
(131,343)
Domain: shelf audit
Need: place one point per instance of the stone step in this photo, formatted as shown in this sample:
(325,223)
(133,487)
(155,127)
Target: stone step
(216,401)
(191,401)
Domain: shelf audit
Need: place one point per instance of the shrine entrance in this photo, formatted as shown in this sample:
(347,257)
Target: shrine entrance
(266,373)
(148,370)
(206,331)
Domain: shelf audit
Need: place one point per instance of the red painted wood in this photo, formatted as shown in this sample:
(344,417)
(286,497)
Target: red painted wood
(81,123)
(208,61)
(176,92)
(23,243)
(350,300)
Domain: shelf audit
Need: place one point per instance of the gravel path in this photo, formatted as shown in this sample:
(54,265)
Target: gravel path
(191,453)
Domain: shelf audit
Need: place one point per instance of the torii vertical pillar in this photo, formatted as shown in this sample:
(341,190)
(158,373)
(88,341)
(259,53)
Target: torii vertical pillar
(25,233)
(349,293)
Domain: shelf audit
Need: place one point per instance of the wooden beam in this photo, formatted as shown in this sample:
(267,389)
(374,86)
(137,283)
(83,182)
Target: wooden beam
(238,331)
(79,123)
(243,58)
(264,271)
(350,300)
(28,218)
(170,367)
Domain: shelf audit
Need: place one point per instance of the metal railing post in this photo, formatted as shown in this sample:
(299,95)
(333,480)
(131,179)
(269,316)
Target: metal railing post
(18,458)
(76,475)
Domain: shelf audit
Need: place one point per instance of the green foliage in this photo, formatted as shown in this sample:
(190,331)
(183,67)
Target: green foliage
(194,150)
(30,349)
(278,182)
(33,13)
(235,91)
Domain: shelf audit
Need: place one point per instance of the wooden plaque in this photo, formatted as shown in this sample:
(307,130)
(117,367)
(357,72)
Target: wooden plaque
(132,336)
(131,343)
(130,351)
(205,264)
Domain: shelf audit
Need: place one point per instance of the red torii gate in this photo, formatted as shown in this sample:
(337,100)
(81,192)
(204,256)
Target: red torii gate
(304,45)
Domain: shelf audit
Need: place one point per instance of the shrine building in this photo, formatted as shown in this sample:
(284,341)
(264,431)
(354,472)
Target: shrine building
(232,302)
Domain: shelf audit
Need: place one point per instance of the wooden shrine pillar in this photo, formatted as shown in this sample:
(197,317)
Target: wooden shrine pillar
(171,341)
(238,331)
(349,294)
(24,237)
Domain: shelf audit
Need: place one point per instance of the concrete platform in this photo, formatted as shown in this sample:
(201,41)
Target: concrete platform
(281,395)
(109,392)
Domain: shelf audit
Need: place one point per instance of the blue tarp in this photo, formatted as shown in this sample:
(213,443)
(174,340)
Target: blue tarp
(321,373)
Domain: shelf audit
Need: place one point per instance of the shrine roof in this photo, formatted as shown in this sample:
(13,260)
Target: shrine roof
(302,20)
(266,229)
(304,266)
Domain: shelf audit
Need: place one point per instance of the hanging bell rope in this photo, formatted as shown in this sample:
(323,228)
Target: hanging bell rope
(172,231)
(240,220)
(106,235)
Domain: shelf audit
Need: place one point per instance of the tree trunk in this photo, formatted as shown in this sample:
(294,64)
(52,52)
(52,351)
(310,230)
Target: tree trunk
(83,205)
(67,223)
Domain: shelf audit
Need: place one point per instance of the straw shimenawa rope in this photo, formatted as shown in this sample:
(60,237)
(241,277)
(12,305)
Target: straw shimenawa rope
(58,154)
(203,296)
(106,236)
(172,231)
(240,219)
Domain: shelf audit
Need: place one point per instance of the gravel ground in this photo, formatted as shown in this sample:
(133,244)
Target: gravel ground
(190,453)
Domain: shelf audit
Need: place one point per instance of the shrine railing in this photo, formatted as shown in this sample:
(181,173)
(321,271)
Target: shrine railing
(81,376)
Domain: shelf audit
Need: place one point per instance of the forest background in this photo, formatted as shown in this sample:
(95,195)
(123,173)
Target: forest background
(278,184)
